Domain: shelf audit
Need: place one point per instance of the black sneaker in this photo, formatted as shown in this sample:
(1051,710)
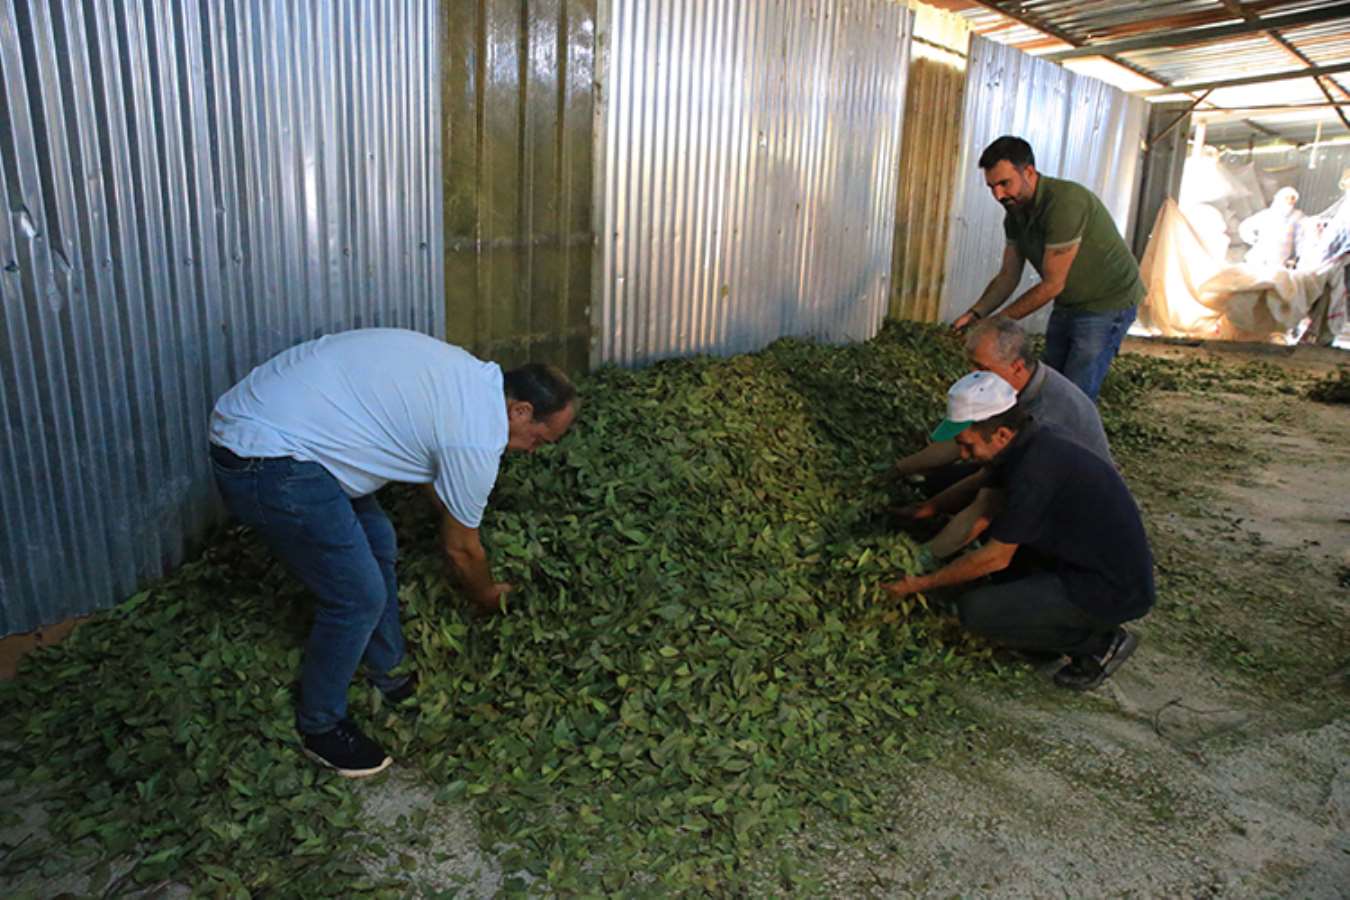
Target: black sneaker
(1083,673)
(404,691)
(348,751)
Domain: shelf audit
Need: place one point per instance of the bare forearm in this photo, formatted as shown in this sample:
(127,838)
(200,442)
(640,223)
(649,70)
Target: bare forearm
(959,496)
(934,455)
(1036,297)
(964,527)
(470,565)
(975,564)
(995,293)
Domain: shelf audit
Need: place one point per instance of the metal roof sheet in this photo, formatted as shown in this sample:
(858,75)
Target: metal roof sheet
(1036,26)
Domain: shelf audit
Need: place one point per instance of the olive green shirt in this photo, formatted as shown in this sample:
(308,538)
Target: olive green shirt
(1104,276)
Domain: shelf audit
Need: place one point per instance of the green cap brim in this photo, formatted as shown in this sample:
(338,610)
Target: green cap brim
(949,429)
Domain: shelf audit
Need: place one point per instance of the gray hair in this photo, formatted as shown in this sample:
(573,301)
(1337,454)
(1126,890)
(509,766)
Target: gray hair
(1010,341)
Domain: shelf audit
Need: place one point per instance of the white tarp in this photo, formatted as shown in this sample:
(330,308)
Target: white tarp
(1193,291)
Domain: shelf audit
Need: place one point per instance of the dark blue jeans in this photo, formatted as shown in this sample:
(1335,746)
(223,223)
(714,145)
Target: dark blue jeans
(1080,346)
(343,550)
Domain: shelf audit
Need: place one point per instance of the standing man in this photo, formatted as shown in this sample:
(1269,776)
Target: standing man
(1069,238)
(301,445)
(1065,545)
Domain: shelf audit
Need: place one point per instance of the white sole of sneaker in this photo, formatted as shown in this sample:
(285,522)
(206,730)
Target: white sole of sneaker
(350,773)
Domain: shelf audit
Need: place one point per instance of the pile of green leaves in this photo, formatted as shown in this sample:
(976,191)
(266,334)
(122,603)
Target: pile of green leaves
(1132,375)
(1334,388)
(693,660)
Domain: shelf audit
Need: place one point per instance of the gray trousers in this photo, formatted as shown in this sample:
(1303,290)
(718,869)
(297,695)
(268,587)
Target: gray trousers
(1033,613)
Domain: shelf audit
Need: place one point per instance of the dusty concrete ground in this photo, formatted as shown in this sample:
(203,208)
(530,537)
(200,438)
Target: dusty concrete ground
(1215,763)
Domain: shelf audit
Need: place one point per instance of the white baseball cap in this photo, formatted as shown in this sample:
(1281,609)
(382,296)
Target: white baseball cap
(976,397)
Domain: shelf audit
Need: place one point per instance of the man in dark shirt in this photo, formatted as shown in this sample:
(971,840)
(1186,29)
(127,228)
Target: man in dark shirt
(997,345)
(1066,547)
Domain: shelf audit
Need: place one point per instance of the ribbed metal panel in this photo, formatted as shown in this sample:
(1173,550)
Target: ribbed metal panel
(1319,176)
(1080,129)
(930,150)
(930,147)
(189,186)
(1088,22)
(746,172)
(1107,20)
(518,97)
(1314,172)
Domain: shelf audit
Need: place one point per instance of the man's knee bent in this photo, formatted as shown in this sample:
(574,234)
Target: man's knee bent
(980,612)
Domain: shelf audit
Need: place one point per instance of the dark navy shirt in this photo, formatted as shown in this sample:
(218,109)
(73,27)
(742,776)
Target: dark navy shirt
(1069,505)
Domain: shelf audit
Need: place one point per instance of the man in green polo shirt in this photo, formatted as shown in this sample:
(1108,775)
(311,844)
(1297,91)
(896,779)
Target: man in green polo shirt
(1069,238)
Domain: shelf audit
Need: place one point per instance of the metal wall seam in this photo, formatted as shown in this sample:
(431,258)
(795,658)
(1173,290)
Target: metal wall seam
(52,270)
(930,145)
(181,201)
(114,555)
(1079,128)
(742,150)
(1314,172)
(1318,176)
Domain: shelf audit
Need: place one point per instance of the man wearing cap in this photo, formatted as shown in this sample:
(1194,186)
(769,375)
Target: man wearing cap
(1068,236)
(1000,346)
(1066,549)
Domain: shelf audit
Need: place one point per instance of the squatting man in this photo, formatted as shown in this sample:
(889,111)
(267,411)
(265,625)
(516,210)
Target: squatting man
(1064,546)
(1000,346)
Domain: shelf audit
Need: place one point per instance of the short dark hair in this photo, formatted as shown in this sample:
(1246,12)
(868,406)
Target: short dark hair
(1009,147)
(1012,419)
(541,385)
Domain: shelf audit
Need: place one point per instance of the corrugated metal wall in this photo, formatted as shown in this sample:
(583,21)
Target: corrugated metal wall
(748,163)
(1314,172)
(929,150)
(518,130)
(1319,176)
(189,186)
(1081,129)
(932,146)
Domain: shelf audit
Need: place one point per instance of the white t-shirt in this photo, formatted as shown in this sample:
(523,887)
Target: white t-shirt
(373,406)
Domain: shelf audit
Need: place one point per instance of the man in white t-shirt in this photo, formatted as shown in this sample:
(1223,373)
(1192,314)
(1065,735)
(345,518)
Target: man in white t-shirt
(301,445)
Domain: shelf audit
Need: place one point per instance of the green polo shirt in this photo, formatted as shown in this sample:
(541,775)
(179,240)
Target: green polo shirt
(1104,276)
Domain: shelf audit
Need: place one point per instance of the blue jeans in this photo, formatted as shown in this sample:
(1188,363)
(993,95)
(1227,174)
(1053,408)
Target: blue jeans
(343,550)
(1080,346)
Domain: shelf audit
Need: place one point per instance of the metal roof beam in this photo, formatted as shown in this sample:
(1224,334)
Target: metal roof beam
(1288,46)
(1046,28)
(1321,83)
(1030,21)
(1314,72)
(1185,37)
(1269,108)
